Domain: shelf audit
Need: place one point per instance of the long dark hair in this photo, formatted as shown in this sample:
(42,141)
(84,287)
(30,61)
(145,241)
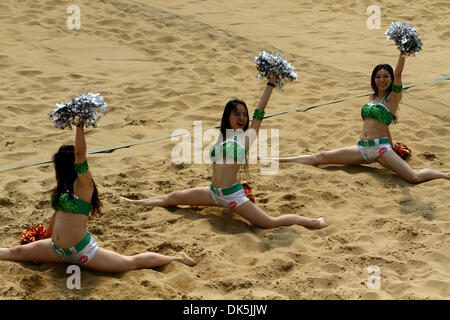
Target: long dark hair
(65,173)
(230,107)
(389,69)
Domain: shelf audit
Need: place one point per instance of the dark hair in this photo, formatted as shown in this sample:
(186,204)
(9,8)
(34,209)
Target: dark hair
(65,173)
(229,108)
(225,124)
(389,69)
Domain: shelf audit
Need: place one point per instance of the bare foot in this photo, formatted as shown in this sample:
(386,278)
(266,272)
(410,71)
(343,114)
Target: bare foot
(184,258)
(129,200)
(319,223)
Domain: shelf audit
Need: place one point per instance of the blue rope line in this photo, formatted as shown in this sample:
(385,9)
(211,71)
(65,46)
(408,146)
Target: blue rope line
(301,109)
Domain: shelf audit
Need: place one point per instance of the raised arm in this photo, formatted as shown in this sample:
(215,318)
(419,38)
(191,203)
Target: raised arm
(81,165)
(80,145)
(256,122)
(399,69)
(252,132)
(396,94)
(259,112)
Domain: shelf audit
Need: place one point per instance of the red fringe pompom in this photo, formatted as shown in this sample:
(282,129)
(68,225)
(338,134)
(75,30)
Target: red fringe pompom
(402,150)
(248,191)
(33,234)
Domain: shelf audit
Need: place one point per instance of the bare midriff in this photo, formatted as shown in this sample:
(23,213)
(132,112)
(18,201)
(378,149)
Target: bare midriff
(69,228)
(373,129)
(224,175)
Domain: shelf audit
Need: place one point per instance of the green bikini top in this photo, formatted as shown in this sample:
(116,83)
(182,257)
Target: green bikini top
(377,112)
(231,149)
(72,204)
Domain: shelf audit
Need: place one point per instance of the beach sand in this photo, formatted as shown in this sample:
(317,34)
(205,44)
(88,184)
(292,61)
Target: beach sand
(161,65)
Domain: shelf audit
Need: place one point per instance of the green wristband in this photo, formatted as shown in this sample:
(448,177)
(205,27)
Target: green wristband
(259,114)
(81,167)
(396,89)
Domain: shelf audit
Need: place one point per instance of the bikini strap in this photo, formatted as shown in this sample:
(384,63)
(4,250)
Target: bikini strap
(384,98)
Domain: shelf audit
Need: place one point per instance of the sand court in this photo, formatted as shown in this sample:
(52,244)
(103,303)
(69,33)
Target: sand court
(161,66)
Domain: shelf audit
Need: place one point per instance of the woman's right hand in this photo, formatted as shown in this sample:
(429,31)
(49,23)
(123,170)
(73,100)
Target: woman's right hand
(273,79)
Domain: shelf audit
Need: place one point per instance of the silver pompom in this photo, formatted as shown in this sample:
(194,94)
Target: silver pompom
(269,64)
(405,36)
(82,109)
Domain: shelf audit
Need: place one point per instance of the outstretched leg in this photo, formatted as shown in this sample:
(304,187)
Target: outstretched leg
(392,161)
(103,260)
(257,216)
(193,197)
(347,155)
(110,261)
(39,251)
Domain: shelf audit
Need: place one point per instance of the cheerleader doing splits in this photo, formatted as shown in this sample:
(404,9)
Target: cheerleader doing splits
(375,142)
(74,198)
(227,156)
